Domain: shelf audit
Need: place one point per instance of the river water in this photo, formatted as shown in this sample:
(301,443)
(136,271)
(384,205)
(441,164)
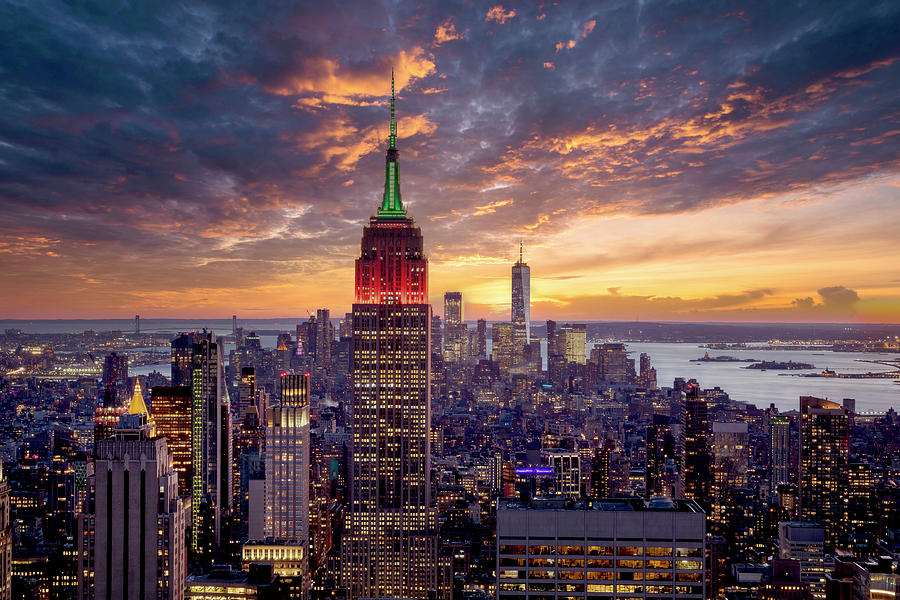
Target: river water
(783,388)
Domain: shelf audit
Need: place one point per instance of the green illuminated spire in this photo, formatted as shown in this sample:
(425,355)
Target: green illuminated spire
(393,136)
(391,203)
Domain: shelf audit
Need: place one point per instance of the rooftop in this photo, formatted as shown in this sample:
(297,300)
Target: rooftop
(660,504)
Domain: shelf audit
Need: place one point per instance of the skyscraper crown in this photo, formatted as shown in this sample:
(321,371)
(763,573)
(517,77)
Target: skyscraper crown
(391,203)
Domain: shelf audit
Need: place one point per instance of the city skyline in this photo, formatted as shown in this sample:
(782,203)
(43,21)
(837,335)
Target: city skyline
(698,165)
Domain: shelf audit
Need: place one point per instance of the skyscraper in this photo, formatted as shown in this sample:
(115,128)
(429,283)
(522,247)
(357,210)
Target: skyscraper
(287,462)
(324,337)
(730,450)
(520,313)
(246,391)
(182,347)
(454,328)
(481,339)
(697,476)
(779,451)
(172,415)
(389,548)
(824,463)
(210,444)
(131,537)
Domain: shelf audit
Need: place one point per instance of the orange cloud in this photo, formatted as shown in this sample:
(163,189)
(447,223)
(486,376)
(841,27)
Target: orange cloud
(563,45)
(326,81)
(446,32)
(588,28)
(342,141)
(499,15)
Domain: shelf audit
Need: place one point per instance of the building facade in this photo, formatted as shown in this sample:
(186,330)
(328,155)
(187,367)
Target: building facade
(210,444)
(172,415)
(287,462)
(600,549)
(131,541)
(389,548)
(520,313)
(824,467)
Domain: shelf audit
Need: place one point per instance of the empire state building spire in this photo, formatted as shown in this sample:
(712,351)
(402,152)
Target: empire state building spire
(391,203)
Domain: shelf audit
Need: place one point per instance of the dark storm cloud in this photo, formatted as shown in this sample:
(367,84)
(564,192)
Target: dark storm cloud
(252,132)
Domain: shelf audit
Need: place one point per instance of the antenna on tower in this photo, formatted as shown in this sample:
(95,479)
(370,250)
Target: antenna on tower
(521,251)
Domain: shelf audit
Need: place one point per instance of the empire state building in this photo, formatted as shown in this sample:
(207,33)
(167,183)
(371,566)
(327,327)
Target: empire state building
(389,549)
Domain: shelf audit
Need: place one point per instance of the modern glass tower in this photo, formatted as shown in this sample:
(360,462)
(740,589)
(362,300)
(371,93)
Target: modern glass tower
(521,297)
(390,549)
(210,444)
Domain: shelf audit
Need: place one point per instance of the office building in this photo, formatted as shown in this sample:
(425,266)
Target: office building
(257,583)
(172,415)
(182,350)
(661,476)
(824,462)
(779,452)
(730,459)
(520,313)
(697,476)
(246,391)
(504,351)
(324,337)
(131,541)
(566,465)
(602,548)
(210,445)
(455,339)
(572,343)
(784,582)
(115,378)
(389,547)
(805,542)
(481,339)
(287,462)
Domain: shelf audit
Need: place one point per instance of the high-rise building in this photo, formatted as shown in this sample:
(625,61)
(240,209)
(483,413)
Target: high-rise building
(5,540)
(115,378)
(611,363)
(503,347)
(437,329)
(824,461)
(389,547)
(287,462)
(572,342)
(172,415)
(481,339)
(324,337)
(566,465)
(606,548)
(210,444)
(454,328)
(730,459)
(697,476)
(520,313)
(805,542)
(660,473)
(600,469)
(131,541)
(646,374)
(246,391)
(779,452)
(182,351)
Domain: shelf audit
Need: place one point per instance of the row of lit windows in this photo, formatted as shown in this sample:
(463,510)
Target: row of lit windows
(551,550)
(595,563)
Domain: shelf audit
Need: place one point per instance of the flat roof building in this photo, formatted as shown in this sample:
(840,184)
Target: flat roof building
(600,549)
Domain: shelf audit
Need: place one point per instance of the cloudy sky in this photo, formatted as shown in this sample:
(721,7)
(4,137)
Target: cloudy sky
(660,160)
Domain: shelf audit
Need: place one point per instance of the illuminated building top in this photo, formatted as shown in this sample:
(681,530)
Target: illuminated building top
(392,204)
(392,268)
